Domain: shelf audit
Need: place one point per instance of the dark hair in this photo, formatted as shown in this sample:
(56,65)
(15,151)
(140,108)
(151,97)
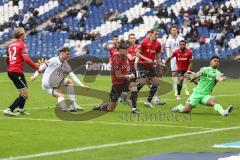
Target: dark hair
(64,49)
(183,41)
(132,34)
(115,36)
(174,26)
(217,57)
(153,30)
(123,45)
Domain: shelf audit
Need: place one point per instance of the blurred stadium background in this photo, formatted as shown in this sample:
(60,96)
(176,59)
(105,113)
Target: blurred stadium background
(210,26)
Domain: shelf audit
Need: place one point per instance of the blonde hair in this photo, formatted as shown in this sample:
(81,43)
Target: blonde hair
(18,32)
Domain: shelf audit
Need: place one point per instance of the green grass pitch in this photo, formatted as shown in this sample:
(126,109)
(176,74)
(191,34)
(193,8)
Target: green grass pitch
(42,135)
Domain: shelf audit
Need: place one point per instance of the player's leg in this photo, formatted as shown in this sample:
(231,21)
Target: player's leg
(187,108)
(20,83)
(113,96)
(174,69)
(180,83)
(134,93)
(71,94)
(210,101)
(24,97)
(60,99)
(184,86)
(156,99)
(192,101)
(154,86)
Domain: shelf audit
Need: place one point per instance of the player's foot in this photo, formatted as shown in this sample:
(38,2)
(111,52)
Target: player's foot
(228,110)
(101,107)
(66,109)
(148,104)
(120,100)
(175,93)
(158,102)
(75,107)
(21,111)
(9,112)
(175,109)
(135,111)
(178,97)
(186,92)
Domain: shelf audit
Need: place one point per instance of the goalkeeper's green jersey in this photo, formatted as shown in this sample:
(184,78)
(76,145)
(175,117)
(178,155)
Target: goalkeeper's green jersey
(207,81)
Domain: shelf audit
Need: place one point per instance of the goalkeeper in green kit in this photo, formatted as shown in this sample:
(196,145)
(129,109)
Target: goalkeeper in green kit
(205,79)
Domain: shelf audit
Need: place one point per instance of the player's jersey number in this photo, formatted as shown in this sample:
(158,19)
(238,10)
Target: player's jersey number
(12,53)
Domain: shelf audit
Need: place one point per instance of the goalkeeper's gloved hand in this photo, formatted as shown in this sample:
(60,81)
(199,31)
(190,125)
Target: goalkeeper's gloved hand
(190,75)
(221,78)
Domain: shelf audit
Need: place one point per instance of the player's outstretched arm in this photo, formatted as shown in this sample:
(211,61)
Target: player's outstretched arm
(40,70)
(77,81)
(221,78)
(30,62)
(193,76)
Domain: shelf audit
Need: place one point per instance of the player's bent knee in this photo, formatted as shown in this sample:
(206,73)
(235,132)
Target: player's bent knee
(187,109)
(212,102)
(24,93)
(142,81)
(155,81)
(68,82)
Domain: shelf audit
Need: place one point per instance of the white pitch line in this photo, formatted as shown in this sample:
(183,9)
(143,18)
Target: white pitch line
(107,123)
(109,145)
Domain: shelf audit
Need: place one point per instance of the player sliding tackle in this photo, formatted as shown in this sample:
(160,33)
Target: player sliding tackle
(208,77)
(121,81)
(56,70)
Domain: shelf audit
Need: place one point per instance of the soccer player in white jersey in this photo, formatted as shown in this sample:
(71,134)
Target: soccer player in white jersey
(171,45)
(56,69)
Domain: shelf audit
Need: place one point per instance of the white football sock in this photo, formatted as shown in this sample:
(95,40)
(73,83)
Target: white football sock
(184,85)
(62,103)
(175,82)
(156,96)
(71,93)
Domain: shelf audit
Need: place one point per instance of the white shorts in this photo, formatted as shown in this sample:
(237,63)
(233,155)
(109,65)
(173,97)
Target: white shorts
(174,64)
(49,89)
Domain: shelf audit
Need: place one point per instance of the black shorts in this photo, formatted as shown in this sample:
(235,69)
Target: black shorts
(117,91)
(146,71)
(18,80)
(181,73)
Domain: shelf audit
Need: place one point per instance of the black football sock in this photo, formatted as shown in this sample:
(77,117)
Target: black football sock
(179,88)
(23,100)
(134,99)
(20,101)
(152,92)
(139,87)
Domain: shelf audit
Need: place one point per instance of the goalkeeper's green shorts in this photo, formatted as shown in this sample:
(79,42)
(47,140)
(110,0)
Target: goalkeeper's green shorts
(196,98)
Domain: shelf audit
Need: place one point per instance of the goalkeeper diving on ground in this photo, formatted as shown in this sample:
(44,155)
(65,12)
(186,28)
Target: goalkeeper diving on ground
(205,79)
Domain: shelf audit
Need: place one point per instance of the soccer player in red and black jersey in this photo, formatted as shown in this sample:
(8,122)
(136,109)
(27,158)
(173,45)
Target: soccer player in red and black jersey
(16,55)
(149,57)
(184,63)
(132,52)
(113,49)
(121,80)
